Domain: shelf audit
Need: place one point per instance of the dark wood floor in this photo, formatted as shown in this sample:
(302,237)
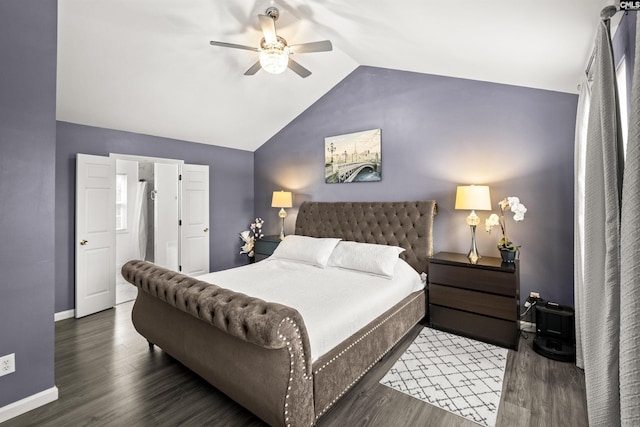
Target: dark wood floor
(107,376)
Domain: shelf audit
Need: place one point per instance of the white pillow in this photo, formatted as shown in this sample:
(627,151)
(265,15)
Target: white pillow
(366,257)
(304,249)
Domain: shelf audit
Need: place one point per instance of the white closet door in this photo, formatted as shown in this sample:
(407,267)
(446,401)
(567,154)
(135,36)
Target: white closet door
(95,234)
(165,213)
(194,215)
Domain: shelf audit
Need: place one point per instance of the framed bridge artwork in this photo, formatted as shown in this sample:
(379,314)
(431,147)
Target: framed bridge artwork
(354,157)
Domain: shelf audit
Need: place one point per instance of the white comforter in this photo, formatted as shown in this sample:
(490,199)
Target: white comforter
(334,303)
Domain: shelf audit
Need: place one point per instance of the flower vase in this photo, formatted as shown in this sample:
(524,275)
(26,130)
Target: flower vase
(507,255)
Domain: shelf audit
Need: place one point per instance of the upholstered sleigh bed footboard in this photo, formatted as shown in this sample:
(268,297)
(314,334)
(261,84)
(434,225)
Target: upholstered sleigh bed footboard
(255,352)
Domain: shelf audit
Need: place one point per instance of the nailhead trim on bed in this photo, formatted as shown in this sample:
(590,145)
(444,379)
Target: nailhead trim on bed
(292,364)
(368,367)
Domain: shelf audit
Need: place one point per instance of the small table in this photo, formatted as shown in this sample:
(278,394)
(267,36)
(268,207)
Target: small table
(481,301)
(263,248)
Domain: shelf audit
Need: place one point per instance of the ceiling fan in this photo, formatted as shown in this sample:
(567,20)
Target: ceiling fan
(275,53)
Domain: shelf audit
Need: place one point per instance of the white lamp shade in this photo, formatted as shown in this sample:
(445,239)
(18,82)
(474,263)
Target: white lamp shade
(473,197)
(281,199)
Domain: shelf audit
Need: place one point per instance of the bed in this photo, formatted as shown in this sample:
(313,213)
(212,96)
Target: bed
(259,353)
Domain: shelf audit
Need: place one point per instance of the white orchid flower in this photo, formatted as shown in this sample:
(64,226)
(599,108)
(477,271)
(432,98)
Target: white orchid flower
(245,236)
(491,221)
(518,209)
(249,237)
(519,213)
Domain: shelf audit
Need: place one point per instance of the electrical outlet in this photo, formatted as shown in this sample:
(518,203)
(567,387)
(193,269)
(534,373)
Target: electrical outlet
(7,364)
(534,295)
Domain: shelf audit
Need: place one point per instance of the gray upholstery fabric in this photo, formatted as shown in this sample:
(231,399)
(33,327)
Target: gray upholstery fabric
(338,370)
(405,224)
(177,312)
(237,314)
(223,335)
(260,379)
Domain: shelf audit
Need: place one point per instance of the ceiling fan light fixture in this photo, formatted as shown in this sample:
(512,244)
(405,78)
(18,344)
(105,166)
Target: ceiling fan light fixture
(274,59)
(273,51)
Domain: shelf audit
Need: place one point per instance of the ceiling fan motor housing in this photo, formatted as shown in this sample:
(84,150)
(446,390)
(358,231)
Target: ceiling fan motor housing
(272,12)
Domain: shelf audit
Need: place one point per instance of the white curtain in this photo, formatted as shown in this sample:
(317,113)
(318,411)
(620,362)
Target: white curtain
(630,260)
(579,168)
(139,226)
(600,293)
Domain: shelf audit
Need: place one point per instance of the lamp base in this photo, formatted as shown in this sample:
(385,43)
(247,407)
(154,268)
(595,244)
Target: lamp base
(282,214)
(473,252)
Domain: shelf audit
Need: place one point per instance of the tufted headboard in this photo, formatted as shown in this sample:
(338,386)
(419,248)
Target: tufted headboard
(405,224)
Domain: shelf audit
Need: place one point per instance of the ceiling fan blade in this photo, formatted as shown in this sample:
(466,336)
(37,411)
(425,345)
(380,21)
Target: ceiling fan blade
(298,69)
(235,46)
(268,26)
(323,46)
(253,69)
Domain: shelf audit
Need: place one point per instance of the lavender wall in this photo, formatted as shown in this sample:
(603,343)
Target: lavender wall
(27,156)
(231,186)
(437,133)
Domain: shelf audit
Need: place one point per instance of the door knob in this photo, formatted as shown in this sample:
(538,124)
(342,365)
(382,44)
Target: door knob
(83,242)
(206,229)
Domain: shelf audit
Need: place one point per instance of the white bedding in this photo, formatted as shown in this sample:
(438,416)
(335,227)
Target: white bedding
(334,303)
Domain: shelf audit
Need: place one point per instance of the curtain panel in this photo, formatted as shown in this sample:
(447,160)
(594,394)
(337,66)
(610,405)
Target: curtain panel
(630,260)
(607,255)
(601,291)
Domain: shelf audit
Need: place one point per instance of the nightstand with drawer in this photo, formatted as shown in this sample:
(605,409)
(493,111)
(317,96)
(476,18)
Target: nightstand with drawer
(264,247)
(480,300)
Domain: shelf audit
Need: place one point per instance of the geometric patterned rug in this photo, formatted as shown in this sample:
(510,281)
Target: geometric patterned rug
(457,374)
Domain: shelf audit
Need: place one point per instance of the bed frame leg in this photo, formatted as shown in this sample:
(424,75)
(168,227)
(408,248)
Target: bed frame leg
(150,345)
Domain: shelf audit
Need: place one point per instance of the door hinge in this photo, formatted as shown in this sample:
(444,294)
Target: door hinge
(180,177)
(179,268)
(179,222)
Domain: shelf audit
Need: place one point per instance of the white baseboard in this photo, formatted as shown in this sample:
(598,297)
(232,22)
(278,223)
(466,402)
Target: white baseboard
(64,315)
(527,326)
(28,403)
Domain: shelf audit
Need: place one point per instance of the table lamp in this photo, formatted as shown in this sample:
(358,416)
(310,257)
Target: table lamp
(281,199)
(473,197)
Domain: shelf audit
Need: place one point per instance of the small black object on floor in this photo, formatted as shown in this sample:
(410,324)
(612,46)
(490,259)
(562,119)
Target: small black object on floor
(555,332)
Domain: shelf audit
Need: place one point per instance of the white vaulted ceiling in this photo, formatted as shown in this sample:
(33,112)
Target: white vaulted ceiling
(146,66)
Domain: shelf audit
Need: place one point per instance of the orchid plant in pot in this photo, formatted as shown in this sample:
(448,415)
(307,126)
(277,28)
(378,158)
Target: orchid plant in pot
(249,237)
(508,250)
